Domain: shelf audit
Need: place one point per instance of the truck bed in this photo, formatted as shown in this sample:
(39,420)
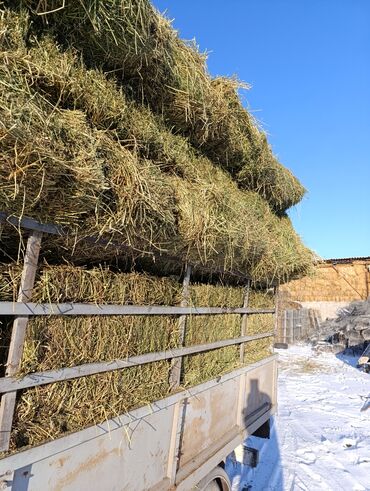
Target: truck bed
(170,444)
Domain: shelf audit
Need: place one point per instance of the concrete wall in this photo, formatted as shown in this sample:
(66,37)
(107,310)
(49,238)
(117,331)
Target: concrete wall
(327,310)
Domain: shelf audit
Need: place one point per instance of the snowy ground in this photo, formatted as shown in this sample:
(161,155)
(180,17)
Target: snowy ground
(321,434)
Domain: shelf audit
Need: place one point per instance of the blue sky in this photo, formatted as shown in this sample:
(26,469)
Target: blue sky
(308,62)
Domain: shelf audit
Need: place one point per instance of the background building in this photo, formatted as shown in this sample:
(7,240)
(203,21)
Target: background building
(304,303)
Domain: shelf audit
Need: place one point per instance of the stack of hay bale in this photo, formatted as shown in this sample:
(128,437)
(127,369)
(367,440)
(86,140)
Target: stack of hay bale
(111,127)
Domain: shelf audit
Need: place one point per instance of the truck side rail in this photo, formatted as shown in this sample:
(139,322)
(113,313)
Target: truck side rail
(47,309)
(23,309)
(9,384)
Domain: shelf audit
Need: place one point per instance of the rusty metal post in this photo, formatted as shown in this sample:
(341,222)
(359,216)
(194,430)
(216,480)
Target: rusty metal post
(176,368)
(18,336)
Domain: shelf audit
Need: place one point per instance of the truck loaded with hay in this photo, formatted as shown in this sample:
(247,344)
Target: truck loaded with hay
(143,234)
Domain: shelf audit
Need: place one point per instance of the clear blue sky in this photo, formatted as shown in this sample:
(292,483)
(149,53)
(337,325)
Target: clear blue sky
(308,62)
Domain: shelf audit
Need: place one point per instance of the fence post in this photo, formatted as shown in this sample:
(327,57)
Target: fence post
(176,368)
(244,325)
(7,405)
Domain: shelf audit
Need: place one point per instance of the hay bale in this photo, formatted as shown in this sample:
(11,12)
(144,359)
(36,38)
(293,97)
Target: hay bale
(138,209)
(262,172)
(46,159)
(156,67)
(258,324)
(47,412)
(120,173)
(224,226)
(285,257)
(55,342)
(232,139)
(206,329)
(55,167)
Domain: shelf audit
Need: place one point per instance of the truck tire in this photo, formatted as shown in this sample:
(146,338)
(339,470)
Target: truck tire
(216,480)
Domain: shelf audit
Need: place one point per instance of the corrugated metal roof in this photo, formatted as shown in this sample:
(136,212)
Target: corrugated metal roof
(344,260)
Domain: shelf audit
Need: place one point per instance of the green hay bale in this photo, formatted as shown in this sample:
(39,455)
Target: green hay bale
(56,342)
(54,167)
(47,156)
(203,367)
(99,168)
(206,329)
(143,50)
(286,257)
(67,283)
(274,183)
(139,208)
(63,81)
(46,160)
(258,324)
(258,350)
(237,144)
(223,225)
(47,412)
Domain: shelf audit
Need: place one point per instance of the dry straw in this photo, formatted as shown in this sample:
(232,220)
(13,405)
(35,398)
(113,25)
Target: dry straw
(75,152)
(55,342)
(111,126)
(134,42)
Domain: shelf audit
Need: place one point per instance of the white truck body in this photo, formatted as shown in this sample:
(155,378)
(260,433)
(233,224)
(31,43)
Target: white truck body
(171,444)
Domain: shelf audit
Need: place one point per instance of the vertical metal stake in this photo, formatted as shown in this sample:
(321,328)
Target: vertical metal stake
(244,326)
(285,323)
(176,368)
(277,331)
(18,336)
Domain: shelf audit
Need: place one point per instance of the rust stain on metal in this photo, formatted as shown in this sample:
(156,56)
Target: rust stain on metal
(198,403)
(221,412)
(60,462)
(194,438)
(85,466)
(210,418)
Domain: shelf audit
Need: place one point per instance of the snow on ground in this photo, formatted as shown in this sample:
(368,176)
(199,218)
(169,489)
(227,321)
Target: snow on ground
(321,435)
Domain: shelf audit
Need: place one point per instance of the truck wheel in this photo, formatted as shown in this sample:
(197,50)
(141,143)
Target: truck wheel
(216,480)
